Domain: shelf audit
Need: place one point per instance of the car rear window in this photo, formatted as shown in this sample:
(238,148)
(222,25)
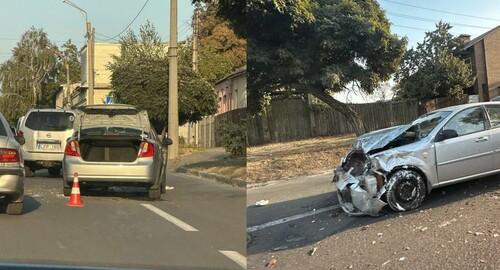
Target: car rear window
(3,132)
(50,121)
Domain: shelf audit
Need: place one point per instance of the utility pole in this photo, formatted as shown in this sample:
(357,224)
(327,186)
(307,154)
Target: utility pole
(66,64)
(195,37)
(90,35)
(90,64)
(173,113)
(191,126)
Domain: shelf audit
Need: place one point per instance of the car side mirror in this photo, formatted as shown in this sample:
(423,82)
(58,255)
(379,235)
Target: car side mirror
(20,140)
(446,134)
(167,141)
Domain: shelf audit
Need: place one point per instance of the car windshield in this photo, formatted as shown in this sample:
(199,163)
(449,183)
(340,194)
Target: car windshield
(50,121)
(427,122)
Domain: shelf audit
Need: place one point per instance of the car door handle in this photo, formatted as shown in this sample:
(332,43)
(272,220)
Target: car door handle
(481,139)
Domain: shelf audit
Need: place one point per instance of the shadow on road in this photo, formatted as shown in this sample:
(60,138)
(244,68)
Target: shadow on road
(132,193)
(30,205)
(306,231)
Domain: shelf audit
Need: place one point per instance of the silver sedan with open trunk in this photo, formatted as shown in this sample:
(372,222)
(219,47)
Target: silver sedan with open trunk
(400,165)
(115,145)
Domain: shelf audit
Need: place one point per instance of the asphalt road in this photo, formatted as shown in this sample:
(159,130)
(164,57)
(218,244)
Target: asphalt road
(197,225)
(458,227)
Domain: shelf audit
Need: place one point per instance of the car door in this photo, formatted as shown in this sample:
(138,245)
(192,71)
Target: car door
(493,112)
(470,153)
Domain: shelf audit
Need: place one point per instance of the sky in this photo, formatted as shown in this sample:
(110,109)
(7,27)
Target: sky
(63,22)
(413,22)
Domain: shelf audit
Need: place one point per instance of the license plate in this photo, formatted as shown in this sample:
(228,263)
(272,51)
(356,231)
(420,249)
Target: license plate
(47,146)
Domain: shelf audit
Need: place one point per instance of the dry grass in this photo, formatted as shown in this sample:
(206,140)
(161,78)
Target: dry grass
(291,159)
(230,167)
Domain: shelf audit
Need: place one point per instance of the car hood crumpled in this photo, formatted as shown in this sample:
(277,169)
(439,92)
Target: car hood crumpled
(380,138)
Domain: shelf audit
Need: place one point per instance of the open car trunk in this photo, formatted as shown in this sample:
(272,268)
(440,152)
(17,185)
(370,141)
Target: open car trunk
(109,148)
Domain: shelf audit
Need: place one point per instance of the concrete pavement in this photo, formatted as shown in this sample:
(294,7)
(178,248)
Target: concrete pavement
(118,228)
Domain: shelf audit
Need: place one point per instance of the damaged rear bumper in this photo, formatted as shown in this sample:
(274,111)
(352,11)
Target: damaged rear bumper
(359,195)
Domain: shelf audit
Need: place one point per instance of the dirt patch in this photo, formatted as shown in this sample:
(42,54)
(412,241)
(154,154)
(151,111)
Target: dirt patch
(291,159)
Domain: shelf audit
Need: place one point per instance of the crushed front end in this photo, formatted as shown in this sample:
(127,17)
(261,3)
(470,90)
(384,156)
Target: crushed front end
(359,188)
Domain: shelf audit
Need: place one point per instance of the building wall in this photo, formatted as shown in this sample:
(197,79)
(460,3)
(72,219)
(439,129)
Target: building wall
(103,57)
(232,93)
(492,52)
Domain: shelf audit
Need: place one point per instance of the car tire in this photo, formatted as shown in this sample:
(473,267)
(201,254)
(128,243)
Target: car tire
(66,191)
(29,171)
(154,194)
(405,190)
(55,171)
(15,208)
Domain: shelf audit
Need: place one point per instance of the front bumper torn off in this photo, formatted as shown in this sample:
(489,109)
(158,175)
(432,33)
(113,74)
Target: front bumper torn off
(358,195)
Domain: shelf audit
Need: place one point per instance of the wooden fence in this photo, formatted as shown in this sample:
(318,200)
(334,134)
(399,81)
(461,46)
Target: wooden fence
(295,119)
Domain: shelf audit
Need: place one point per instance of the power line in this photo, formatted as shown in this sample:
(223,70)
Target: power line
(406,16)
(443,11)
(131,22)
(417,28)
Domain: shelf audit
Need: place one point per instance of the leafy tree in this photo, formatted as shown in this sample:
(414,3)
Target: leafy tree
(140,77)
(212,66)
(30,76)
(217,35)
(70,56)
(434,68)
(341,43)
(236,11)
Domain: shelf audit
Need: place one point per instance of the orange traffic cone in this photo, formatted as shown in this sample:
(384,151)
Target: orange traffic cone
(75,200)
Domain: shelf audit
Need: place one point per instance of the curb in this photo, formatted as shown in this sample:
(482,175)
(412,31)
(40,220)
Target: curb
(217,177)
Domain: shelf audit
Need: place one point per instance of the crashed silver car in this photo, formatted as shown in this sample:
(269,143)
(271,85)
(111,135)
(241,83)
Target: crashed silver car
(399,166)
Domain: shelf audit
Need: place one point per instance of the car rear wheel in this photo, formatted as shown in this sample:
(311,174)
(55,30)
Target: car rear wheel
(405,190)
(154,194)
(15,208)
(66,191)
(29,171)
(55,171)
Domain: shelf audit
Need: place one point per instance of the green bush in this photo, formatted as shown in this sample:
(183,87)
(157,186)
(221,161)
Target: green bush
(235,138)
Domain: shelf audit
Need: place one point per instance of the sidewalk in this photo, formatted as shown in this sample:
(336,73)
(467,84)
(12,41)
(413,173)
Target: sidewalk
(214,164)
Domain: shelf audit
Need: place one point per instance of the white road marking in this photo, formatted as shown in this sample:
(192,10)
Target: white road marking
(179,223)
(235,257)
(291,218)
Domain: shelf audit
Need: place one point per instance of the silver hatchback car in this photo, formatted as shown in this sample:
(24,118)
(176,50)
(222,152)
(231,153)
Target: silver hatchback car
(400,165)
(115,145)
(11,169)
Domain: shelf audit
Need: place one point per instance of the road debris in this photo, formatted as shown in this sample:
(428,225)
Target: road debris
(380,234)
(386,262)
(272,262)
(446,223)
(262,203)
(169,188)
(313,251)
(402,259)
(475,233)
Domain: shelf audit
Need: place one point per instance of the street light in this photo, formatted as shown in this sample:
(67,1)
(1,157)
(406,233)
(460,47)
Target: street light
(77,7)
(90,52)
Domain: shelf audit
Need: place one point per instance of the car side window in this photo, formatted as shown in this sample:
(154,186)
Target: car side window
(468,121)
(494,114)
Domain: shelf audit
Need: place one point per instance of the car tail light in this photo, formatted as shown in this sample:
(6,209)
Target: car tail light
(146,150)
(72,149)
(9,155)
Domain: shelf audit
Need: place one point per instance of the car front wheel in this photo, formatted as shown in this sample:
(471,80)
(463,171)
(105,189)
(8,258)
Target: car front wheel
(405,190)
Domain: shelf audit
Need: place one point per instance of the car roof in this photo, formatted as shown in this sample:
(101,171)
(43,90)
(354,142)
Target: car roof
(467,105)
(49,110)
